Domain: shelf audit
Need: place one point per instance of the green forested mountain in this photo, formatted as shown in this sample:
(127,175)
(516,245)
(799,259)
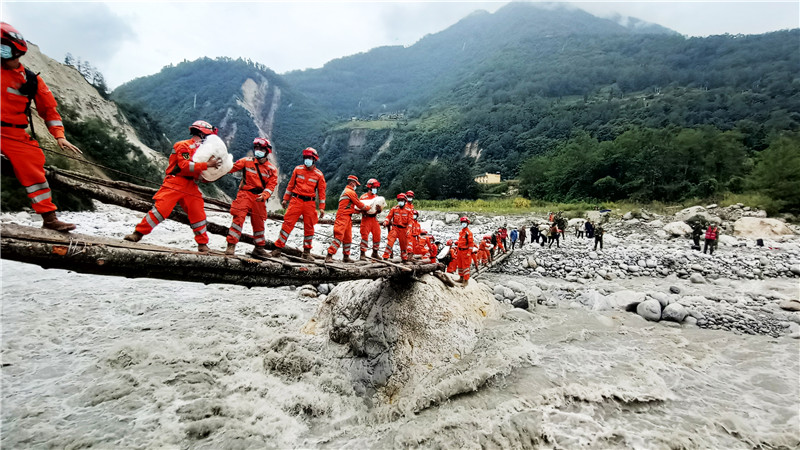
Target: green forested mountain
(523,87)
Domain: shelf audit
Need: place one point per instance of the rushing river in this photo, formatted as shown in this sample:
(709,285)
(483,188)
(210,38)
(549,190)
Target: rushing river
(93,361)
(112,362)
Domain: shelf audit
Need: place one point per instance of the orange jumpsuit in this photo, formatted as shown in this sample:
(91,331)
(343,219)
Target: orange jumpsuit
(180,187)
(304,185)
(483,252)
(22,151)
(399,217)
(343,226)
(257,179)
(465,244)
(370,225)
(414,240)
(451,267)
(433,250)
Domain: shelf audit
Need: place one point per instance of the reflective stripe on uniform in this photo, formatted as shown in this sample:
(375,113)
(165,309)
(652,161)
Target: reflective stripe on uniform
(258,233)
(236,227)
(41,197)
(251,170)
(234,233)
(284,234)
(157,215)
(149,220)
(191,167)
(54,123)
(37,187)
(199,224)
(11,90)
(200,231)
(268,191)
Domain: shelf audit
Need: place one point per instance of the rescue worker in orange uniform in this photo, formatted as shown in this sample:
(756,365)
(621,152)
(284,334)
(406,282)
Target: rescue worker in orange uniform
(305,186)
(259,178)
(483,250)
(433,250)
(399,218)
(414,232)
(369,222)
(180,187)
(410,200)
(451,266)
(465,245)
(20,86)
(343,226)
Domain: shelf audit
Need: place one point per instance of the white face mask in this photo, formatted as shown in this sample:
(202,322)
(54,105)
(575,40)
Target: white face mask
(374,190)
(259,154)
(464,225)
(401,203)
(5,51)
(410,199)
(308,162)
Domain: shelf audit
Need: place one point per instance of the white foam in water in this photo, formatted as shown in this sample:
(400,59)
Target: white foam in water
(113,362)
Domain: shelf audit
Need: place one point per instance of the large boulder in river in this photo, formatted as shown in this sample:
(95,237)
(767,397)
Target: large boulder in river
(757,227)
(678,229)
(395,332)
(696,214)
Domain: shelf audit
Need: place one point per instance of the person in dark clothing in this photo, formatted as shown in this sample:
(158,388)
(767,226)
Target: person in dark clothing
(555,234)
(697,231)
(535,233)
(598,236)
(494,244)
(522,236)
(589,229)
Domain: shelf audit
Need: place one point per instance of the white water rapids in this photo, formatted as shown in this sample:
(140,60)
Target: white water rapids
(141,363)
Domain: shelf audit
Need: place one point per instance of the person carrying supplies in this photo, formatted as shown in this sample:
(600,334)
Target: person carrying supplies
(465,245)
(259,178)
(484,249)
(180,187)
(399,218)
(343,226)
(300,199)
(369,222)
(20,86)
(453,263)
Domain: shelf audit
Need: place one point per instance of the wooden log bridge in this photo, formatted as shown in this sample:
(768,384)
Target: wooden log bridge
(105,256)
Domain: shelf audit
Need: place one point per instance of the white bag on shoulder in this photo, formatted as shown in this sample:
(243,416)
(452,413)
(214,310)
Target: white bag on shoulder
(213,146)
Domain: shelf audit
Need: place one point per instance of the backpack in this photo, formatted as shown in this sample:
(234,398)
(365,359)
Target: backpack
(29,89)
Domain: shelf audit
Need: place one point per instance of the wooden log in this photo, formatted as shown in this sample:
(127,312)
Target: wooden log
(104,256)
(495,262)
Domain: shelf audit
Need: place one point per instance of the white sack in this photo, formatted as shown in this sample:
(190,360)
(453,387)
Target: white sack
(373,202)
(213,146)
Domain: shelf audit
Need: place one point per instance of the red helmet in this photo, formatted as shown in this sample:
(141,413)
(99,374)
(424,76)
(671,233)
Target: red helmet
(449,242)
(262,143)
(373,183)
(311,153)
(410,194)
(203,128)
(487,237)
(465,220)
(12,38)
(401,196)
(423,233)
(416,213)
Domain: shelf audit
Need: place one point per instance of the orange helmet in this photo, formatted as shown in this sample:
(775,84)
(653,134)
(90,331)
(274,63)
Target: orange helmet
(262,143)
(373,183)
(202,128)
(353,178)
(310,152)
(449,242)
(401,196)
(487,237)
(12,38)
(464,220)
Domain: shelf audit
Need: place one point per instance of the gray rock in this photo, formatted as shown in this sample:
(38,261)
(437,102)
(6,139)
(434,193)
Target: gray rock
(627,216)
(324,289)
(689,320)
(451,218)
(509,293)
(498,289)
(651,263)
(661,297)
(634,269)
(520,302)
(541,269)
(790,305)
(674,312)
(499,297)
(532,262)
(516,286)
(764,261)
(795,269)
(641,263)
(650,310)
(697,278)
(696,267)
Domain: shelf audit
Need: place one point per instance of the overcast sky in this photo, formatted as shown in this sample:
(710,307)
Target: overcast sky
(126,40)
